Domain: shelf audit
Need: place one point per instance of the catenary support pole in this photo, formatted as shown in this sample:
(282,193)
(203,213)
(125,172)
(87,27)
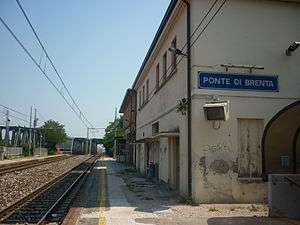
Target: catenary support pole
(72,145)
(34,129)
(87,140)
(30,130)
(7,120)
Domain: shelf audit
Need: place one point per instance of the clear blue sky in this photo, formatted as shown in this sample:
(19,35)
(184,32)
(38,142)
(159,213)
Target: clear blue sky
(98,46)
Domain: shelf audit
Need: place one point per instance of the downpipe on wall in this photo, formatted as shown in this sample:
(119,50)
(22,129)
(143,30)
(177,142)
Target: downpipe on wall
(189,99)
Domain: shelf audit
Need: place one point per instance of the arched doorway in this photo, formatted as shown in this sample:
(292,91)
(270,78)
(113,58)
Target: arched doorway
(280,142)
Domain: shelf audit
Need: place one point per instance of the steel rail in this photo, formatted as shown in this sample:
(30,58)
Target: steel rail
(69,189)
(5,213)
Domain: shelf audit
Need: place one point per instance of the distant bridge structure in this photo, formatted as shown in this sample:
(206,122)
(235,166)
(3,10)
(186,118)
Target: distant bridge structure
(19,136)
(80,146)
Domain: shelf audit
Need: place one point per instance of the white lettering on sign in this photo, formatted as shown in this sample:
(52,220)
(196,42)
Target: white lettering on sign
(215,80)
(259,83)
(237,82)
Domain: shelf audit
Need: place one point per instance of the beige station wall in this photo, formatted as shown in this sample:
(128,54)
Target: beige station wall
(245,32)
(162,105)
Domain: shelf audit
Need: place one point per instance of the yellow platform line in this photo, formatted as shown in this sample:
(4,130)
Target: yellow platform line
(103,196)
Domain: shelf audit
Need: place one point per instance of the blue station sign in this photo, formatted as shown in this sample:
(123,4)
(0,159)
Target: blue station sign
(232,81)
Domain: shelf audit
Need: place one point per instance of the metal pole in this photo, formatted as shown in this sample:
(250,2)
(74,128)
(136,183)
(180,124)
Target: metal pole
(189,100)
(87,140)
(90,147)
(30,131)
(72,145)
(34,130)
(41,144)
(7,128)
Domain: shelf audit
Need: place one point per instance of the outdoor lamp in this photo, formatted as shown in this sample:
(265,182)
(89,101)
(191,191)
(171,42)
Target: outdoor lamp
(292,48)
(177,51)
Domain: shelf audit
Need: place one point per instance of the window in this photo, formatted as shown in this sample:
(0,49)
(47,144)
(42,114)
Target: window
(165,66)
(147,90)
(143,94)
(140,99)
(157,77)
(155,128)
(173,56)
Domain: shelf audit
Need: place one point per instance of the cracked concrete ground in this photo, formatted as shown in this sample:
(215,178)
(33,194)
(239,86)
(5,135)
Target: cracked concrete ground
(117,195)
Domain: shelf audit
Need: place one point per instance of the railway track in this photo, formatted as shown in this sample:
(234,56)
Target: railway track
(12,167)
(51,202)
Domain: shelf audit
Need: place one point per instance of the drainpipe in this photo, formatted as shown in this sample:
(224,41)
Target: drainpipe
(189,98)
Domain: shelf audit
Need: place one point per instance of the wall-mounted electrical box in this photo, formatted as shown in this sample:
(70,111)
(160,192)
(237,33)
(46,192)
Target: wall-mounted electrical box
(216,110)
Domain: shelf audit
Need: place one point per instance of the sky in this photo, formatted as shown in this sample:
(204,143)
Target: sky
(97,46)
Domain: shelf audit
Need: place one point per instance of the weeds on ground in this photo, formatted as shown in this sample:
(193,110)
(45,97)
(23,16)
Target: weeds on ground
(253,208)
(187,201)
(213,209)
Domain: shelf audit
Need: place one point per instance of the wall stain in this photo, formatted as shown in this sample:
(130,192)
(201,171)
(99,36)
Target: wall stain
(235,167)
(219,166)
(202,164)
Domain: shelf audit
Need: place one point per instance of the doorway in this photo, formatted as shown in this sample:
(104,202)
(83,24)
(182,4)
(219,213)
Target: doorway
(280,142)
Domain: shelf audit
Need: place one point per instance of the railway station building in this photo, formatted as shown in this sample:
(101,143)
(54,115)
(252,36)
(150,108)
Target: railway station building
(243,92)
(128,108)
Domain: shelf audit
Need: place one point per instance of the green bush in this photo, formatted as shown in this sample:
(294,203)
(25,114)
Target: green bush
(26,150)
(51,151)
(2,142)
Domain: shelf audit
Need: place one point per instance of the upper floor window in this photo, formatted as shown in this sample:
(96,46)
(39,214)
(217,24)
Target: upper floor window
(174,56)
(164,66)
(147,90)
(143,94)
(140,99)
(157,77)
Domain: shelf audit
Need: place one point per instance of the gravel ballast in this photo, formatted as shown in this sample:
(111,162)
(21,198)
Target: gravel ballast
(18,184)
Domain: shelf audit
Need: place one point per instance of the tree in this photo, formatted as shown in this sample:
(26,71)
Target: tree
(113,130)
(54,133)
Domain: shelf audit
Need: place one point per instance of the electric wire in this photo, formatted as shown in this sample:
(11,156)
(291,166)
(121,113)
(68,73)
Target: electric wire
(16,117)
(43,72)
(14,110)
(51,62)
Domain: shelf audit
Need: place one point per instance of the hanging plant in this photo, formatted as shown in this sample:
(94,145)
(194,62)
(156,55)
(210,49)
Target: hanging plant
(182,106)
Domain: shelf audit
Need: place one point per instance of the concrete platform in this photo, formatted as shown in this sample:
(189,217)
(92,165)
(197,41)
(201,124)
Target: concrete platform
(113,195)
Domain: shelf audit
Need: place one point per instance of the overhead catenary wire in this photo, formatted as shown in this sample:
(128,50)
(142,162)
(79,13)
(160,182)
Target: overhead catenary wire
(43,72)
(14,110)
(52,64)
(16,117)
